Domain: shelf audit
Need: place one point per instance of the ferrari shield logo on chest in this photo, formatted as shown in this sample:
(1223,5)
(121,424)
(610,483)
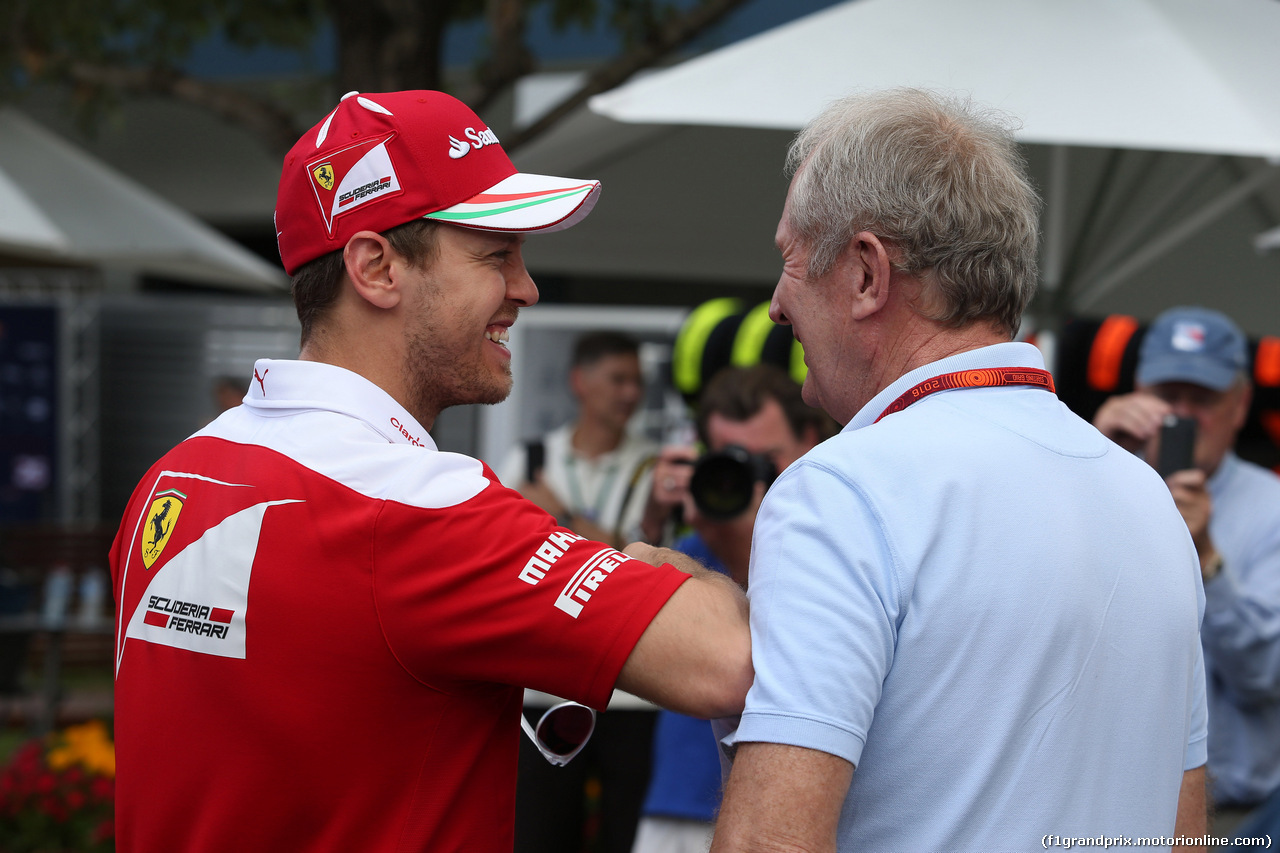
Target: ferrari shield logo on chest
(160,522)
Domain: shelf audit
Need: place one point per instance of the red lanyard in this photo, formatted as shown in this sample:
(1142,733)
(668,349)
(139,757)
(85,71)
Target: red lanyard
(986,377)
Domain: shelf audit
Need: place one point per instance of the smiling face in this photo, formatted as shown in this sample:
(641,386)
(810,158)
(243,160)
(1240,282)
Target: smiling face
(463,301)
(818,311)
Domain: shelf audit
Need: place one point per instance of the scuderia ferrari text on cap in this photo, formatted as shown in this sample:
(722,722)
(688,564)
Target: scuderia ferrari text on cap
(380,160)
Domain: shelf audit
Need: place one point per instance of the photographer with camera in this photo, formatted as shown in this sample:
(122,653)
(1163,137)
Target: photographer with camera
(1192,372)
(753,424)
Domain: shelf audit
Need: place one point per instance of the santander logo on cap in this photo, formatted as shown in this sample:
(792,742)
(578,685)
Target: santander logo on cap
(479,139)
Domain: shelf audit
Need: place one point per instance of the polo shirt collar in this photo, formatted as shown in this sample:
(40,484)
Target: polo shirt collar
(292,385)
(1012,354)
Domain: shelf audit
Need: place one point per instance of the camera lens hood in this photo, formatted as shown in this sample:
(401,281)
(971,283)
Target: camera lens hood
(723,481)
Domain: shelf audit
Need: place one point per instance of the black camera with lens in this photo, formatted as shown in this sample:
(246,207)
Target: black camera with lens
(723,482)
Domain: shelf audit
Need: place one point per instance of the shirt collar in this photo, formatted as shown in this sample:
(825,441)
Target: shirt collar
(1012,354)
(281,385)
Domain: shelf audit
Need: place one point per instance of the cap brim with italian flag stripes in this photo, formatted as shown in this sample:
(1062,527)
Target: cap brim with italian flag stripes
(534,204)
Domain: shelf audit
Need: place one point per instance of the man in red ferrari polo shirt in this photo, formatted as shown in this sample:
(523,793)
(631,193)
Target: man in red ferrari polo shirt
(325,623)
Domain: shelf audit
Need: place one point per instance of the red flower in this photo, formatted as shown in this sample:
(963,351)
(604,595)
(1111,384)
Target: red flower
(102,788)
(45,783)
(53,808)
(105,831)
(29,758)
(56,792)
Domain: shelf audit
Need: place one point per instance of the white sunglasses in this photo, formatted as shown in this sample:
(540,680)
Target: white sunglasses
(562,731)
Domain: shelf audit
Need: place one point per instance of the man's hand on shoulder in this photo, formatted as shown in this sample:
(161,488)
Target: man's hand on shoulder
(695,656)
(656,555)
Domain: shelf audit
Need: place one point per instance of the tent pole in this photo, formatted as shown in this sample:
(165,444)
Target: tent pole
(1162,243)
(1055,219)
(1124,241)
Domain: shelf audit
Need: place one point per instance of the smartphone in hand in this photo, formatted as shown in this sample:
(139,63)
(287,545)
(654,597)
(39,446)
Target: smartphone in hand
(1177,445)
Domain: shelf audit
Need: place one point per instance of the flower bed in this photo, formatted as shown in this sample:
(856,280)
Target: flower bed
(57,793)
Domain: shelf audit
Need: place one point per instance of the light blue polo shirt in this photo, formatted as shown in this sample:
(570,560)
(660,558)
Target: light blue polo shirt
(1241,633)
(988,608)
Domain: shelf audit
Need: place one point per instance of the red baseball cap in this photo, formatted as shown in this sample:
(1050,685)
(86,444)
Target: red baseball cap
(381,160)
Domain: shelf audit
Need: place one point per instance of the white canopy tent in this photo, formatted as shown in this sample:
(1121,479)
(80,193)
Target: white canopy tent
(1149,124)
(60,205)
(25,231)
(1176,75)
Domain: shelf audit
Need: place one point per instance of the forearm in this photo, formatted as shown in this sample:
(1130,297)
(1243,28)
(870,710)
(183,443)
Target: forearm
(782,798)
(695,656)
(1192,820)
(658,555)
(731,606)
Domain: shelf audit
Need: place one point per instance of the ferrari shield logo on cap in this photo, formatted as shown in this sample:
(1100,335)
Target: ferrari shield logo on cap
(360,174)
(324,176)
(160,522)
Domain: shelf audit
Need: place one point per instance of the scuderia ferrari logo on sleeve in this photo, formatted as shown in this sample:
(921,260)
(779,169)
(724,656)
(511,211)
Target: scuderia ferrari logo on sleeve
(161,518)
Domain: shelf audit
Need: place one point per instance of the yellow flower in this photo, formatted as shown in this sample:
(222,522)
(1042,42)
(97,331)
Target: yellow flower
(88,745)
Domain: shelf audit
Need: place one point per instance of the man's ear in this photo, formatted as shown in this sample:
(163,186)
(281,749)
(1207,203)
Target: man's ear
(369,261)
(575,381)
(1241,413)
(869,258)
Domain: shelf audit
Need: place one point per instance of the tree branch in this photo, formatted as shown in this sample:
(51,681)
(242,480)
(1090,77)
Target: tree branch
(269,122)
(675,34)
(509,58)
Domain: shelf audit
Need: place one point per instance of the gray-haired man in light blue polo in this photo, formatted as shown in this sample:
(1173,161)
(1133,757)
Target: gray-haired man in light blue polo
(1194,363)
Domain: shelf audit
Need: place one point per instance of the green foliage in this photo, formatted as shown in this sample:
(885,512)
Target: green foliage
(40,37)
(155,32)
(634,20)
(101,51)
(637,20)
(566,13)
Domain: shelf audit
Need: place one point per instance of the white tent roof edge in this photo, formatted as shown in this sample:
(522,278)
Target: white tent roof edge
(103,218)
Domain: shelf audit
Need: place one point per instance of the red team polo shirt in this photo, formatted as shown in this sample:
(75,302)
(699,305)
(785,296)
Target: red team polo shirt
(325,623)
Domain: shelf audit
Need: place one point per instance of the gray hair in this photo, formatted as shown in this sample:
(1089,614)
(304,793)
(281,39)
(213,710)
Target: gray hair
(940,179)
